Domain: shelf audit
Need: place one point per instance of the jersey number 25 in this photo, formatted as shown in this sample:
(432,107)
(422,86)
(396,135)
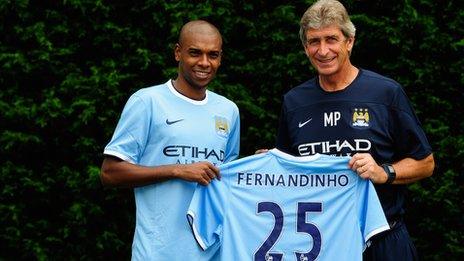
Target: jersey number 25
(302,226)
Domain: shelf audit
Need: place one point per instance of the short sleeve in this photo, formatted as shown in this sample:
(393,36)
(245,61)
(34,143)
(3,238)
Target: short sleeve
(233,142)
(283,140)
(206,213)
(129,137)
(408,135)
(370,213)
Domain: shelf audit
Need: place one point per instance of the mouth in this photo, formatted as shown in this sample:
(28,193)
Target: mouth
(202,74)
(325,60)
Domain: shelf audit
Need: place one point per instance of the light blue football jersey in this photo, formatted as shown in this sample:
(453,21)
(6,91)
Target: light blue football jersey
(159,126)
(274,206)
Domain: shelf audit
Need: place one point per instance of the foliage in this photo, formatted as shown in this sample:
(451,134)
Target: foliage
(67,68)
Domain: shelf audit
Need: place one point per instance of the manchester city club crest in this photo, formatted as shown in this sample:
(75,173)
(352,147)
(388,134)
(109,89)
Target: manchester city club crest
(222,126)
(360,117)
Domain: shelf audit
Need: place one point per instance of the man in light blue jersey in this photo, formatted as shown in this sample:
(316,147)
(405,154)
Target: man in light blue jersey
(169,138)
(274,206)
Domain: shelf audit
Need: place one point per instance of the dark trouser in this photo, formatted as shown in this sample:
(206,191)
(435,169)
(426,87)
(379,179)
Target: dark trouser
(392,245)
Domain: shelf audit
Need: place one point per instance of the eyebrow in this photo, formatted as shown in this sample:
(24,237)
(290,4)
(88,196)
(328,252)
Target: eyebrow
(199,50)
(326,36)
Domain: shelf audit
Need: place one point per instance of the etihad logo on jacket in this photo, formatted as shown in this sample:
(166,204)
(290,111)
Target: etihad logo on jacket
(194,153)
(337,147)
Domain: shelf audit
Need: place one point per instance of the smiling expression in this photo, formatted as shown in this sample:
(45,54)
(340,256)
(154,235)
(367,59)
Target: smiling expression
(328,49)
(199,56)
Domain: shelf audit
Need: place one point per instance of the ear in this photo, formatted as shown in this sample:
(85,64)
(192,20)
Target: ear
(220,57)
(306,49)
(350,44)
(177,52)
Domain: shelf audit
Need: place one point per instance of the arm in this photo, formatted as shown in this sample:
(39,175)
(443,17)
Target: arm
(283,138)
(118,173)
(408,170)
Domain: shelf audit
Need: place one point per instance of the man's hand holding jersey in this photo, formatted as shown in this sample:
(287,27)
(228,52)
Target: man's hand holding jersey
(367,168)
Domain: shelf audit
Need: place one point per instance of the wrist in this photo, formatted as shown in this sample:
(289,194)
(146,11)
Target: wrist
(168,171)
(390,171)
(176,171)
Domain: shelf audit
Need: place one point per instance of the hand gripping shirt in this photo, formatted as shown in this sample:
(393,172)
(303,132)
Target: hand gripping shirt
(274,206)
(159,126)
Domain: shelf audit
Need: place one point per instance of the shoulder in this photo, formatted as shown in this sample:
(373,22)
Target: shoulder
(371,78)
(377,88)
(149,96)
(220,100)
(151,92)
(298,95)
(304,87)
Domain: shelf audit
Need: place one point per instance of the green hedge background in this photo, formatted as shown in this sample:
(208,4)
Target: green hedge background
(67,68)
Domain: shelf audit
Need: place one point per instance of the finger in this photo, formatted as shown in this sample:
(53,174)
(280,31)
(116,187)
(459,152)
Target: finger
(203,181)
(364,176)
(261,151)
(361,163)
(207,178)
(210,174)
(216,171)
(351,162)
(355,162)
(363,169)
(212,171)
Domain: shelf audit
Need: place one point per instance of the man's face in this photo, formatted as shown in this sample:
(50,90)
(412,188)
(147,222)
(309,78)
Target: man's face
(199,57)
(328,49)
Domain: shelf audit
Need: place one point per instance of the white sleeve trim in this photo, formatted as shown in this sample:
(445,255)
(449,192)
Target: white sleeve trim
(191,217)
(373,233)
(118,155)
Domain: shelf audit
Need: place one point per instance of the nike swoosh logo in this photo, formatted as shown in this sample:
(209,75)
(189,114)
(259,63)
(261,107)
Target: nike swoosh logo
(172,122)
(301,124)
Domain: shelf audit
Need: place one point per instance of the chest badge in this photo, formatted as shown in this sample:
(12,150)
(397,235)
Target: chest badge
(222,126)
(360,117)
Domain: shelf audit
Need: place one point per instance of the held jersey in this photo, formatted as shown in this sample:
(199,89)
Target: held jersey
(372,115)
(274,206)
(159,126)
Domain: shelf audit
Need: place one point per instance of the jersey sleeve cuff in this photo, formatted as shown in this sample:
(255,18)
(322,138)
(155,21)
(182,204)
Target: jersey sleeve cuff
(373,233)
(191,219)
(118,155)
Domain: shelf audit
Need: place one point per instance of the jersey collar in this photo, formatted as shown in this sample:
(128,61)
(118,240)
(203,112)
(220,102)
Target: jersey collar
(185,98)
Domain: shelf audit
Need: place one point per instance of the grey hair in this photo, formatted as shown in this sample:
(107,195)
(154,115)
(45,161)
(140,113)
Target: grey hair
(325,13)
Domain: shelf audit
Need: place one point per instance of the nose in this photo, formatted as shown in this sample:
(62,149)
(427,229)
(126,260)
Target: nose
(204,61)
(323,48)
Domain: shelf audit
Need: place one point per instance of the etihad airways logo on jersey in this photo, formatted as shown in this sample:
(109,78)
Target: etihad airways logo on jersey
(194,153)
(336,147)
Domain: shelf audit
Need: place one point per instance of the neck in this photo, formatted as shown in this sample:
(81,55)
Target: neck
(184,88)
(339,80)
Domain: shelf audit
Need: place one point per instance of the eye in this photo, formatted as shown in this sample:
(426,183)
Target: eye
(194,53)
(313,42)
(214,55)
(332,40)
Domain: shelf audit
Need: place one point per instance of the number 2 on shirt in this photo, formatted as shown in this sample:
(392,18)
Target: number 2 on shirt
(302,226)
